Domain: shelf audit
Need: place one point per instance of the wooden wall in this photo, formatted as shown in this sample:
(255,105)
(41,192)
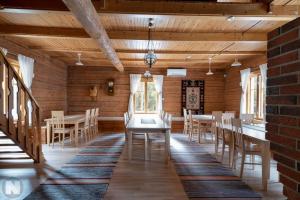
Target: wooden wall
(232,82)
(49,86)
(80,79)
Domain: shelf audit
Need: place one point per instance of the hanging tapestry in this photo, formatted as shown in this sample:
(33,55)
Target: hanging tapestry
(193,96)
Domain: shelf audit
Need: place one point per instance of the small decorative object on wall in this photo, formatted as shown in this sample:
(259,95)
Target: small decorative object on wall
(94,92)
(193,96)
(110,87)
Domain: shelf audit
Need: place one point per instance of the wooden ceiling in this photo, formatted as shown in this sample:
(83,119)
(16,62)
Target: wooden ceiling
(183,37)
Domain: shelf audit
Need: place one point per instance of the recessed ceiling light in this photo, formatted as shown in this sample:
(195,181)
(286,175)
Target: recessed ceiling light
(231,18)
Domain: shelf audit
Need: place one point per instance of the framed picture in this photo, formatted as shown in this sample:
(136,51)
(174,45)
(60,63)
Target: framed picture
(193,96)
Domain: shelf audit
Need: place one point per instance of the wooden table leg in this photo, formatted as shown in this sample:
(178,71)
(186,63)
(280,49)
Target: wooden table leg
(167,145)
(76,134)
(48,133)
(129,145)
(266,157)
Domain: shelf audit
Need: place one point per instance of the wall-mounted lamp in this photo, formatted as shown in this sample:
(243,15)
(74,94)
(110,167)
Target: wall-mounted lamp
(94,92)
(110,87)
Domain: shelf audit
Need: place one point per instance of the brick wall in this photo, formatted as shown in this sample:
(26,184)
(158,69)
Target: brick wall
(283,104)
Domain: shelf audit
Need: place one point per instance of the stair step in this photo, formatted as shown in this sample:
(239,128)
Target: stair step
(3,137)
(8,144)
(7,152)
(18,155)
(15,158)
(6,141)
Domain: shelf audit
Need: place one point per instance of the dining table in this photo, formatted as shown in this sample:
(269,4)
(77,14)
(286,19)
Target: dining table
(254,134)
(148,124)
(74,120)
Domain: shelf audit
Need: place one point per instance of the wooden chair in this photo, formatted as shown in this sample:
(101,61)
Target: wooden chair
(186,121)
(193,127)
(227,137)
(92,122)
(158,139)
(233,112)
(218,131)
(242,145)
(126,120)
(215,114)
(247,118)
(96,121)
(58,128)
(85,128)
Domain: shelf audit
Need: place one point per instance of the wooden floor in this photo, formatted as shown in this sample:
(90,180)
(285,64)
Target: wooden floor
(131,180)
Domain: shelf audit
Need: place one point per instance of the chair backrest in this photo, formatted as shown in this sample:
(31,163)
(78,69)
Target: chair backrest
(218,121)
(92,118)
(226,118)
(96,115)
(233,112)
(169,119)
(166,117)
(58,121)
(216,113)
(87,117)
(247,118)
(237,131)
(161,114)
(126,118)
(185,115)
(190,116)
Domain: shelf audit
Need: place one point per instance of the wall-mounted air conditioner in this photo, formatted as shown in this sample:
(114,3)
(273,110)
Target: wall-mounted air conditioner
(175,72)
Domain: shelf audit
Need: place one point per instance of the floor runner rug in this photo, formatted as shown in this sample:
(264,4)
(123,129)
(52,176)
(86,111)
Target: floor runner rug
(87,175)
(202,176)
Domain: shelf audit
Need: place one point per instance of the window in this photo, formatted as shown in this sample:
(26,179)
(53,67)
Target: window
(255,96)
(146,98)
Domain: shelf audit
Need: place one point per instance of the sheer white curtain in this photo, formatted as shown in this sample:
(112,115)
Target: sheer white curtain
(26,68)
(158,81)
(244,83)
(134,84)
(263,71)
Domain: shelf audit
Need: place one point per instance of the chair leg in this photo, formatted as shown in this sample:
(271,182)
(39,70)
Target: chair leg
(223,151)
(63,140)
(53,136)
(252,158)
(242,164)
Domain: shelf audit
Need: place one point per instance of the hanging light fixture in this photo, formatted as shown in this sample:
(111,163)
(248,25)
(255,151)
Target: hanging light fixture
(236,62)
(209,73)
(150,57)
(79,63)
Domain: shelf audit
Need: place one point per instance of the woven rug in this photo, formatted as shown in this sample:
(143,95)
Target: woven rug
(202,176)
(87,175)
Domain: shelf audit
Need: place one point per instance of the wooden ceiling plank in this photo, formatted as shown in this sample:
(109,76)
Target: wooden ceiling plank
(85,13)
(241,10)
(57,32)
(158,52)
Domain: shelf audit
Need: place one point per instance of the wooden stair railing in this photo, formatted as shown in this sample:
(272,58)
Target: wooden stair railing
(24,132)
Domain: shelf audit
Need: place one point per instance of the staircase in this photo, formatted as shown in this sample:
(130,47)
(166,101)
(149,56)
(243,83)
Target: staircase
(20,136)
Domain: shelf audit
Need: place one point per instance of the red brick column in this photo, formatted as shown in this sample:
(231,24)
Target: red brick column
(283,104)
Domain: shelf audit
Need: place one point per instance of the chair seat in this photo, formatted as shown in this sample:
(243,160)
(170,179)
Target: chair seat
(61,130)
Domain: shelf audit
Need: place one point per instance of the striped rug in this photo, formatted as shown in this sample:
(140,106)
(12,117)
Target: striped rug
(202,176)
(87,175)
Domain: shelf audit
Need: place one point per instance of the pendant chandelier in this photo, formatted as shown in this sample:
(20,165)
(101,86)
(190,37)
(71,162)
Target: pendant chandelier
(150,58)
